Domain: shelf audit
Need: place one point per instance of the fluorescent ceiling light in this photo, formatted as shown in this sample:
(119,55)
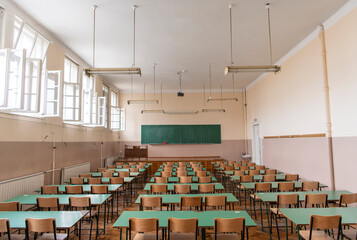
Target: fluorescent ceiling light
(222,99)
(264,68)
(152,111)
(213,110)
(181,112)
(129,71)
(142,101)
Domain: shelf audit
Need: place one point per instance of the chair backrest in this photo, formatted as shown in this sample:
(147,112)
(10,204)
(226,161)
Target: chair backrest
(119,163)
(150,202)
(161,180)
(5,226)
(111,166)
(116,180)
(316,200)
(182,188)
(40,225)
(79,202)
(207,179)
(254,172)
(259,167)
(133,169)
(291,177)
(101,169)
(270,171)
(198,168)
(206,188)
(74,189)
(288,200)
(251,164)
(123,174)
(107,174)
(201,173)
(269,178)
(110,170)
(181,173)
(126,166)
(244,168)
(346,199)
(166,174)
(262,187)
(85,175)
(246,178)
(229,168)
(48,203)
(185,179)
(310,186)
(99,189)
(237,164)
(325,223)
(132,163)
(76,180)
(239,172)
(286,186)
(191,202)
(216,201)
(9,206)
(144,225)
(94,180)
(244,162)
(158,189)
(229,225)
(49,190)
(178,225)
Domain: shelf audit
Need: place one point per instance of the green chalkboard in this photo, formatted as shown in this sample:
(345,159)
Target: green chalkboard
(181,134)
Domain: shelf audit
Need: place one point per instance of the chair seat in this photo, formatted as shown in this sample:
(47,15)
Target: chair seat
(145,236)
(50,236)
(225,237)
(316,235)
(14,236)
(180,236)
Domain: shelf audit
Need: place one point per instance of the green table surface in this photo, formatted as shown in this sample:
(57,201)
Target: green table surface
(194,186)
(106,180)
(96,199)
(176,179)
(174,169)
(176,198)
(301,216)
(64,219)
(259,177)
(246,172)
(272,196)
(86,187)
(126,169)
(205,219)
(158,174)
(132,174)
(298,184)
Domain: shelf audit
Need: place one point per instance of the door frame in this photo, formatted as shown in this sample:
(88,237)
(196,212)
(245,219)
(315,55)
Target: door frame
(254,124)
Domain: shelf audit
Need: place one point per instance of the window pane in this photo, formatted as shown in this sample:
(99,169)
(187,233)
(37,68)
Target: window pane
(15,79)
(17,26)
(26,40)
(52,93)
(67,71)
(74,73)
(2,76)
(32,80)
(40,47)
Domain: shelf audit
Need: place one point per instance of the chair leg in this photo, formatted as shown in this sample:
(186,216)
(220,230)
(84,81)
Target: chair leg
(277,226)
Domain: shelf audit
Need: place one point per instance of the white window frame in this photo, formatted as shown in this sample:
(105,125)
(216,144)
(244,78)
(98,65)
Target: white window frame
(114,111)
(29,81)
(102,102)
(57,101)
(122,119)
(107,112)
(90,98)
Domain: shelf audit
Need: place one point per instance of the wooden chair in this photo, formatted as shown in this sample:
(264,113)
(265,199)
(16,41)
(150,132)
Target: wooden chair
(133,169)
(207,179)
(85,175)
(206,188)
(101,170)
(107,174)
(116,180)
(47,226)
(269,178)
(346,199)
(310,186)
(9,206)
(244,168)
(283,201)
(119,163)
(254,172)
(74,189)
(166,174)
(126,166)
(197,169)
(144,228)
(237,165)
(161,180)
(322,223)
(228,228)
(84,205)
(239,172)
(246,178)
(5,231)
(259,167)
(291,177)
(286,186)
(49,190)
(201,173)
(185,179)
(150,203)
(270,171)
(123,174)
(181,174)
(76,181)
(259,188)
(158,189)
(182,188)
(229,168)
(316,200)
(111,166)
(251,164)
(132,164)
(191,202)
(178,229)
(217,202)
(51,203)
(94,180)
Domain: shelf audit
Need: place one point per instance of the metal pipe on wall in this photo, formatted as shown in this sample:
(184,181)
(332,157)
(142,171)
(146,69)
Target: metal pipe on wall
(327,105)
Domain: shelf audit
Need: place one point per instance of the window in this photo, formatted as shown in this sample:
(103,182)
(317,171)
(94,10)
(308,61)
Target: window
(52,93)
(89,101)
(122,119)
(32,85)
(71,91)
(102,103)
(106,96)
(114,111)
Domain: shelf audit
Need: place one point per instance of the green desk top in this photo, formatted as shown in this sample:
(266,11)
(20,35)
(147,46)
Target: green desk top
(126,169)
(96,199)
(246,172)
(301,216)
(176,179)
(64,219)
(106,180)
(194,186)
(176,198)
(158,174)
(279,177)
(132,174)
(86,187)
(272,196)
(189,169)
(205,219)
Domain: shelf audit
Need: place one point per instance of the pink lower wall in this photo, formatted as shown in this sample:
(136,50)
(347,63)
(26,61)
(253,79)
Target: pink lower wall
(228,149)
(23,158)
(305,156)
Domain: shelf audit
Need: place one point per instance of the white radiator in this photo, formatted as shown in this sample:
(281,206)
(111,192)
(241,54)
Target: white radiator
(74,171)
(22,185)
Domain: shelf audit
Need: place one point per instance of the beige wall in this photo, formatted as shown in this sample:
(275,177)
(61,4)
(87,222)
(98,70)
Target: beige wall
(291,102)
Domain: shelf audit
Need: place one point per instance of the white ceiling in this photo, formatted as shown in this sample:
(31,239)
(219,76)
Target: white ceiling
(180,34)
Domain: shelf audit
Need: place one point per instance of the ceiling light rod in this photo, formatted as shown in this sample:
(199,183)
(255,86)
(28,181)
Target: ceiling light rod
(134,35)
(181,112)
(94,25)
(154,111)
(204,96)
(263,68)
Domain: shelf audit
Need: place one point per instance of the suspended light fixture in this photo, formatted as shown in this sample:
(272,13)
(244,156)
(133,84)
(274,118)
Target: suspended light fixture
(157,110)
(181,112)
(264,68)
(204,96)
(131,70)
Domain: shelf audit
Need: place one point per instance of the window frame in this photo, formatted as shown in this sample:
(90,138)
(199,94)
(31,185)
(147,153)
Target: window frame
(59,94)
